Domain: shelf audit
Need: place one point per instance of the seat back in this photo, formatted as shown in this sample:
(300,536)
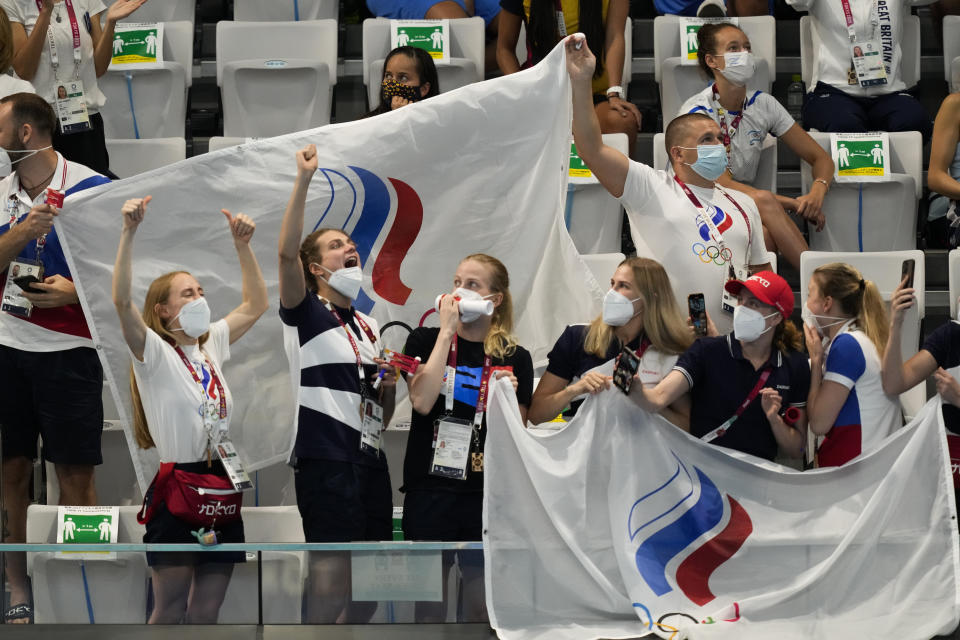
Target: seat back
(766,173)
(130,157)
(286,11)
(263,100)
(594,217)
(467,50)
(278,41)
(681,82)
(165,11)
(906,157)
(884,269)
(222,142)
(951,49)
(159,102)
(954,278)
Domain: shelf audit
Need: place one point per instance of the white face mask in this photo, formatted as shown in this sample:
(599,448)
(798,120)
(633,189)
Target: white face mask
(6,164)
(749,324)
(472,305)
(617,308)
(739,67)
(194,318)
(811,319)
(345,281)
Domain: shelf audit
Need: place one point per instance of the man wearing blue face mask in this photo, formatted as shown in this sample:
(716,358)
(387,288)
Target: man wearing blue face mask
(703,235)
(52,375)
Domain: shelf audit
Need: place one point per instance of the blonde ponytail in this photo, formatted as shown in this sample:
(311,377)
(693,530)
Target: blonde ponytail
(858,298)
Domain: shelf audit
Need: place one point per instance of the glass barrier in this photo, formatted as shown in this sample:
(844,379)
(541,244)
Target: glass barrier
(246,584)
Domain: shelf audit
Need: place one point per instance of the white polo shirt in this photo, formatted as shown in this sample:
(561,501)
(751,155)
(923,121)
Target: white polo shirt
(763,114)
(667,227)
(832,59)
(25,13)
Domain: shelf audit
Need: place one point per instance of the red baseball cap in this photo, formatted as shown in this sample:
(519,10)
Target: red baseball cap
(767,287)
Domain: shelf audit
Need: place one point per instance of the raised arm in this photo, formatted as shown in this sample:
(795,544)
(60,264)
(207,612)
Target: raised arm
(898,376)
(255,300)
(27,49)
(131,322)
(607,164)
(293,287)
(103,37)
(508,33)
(426,383)
(943,147)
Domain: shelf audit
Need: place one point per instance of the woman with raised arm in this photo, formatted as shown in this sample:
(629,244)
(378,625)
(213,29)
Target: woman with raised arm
(345,397)
(183,407)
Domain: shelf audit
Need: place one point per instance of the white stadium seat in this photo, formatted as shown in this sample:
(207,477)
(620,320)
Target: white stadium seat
(222,142)
(887,218)
(154,99)
(130,157)
(276,77)
(909,47)
(285,11)
(467,38)
(593,217)
(954,269)
(283,572)
(766,171)
(884,269)
(117,588)
(165,11)
(951,51)
(679,82)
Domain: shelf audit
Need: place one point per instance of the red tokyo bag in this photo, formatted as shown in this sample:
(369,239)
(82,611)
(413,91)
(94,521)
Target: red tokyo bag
(953,444)
(201,499)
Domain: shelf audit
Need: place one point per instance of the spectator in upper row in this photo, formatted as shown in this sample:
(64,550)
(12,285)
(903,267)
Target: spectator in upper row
(745,120)
(602,22)
(44,54)
(409,75)
(943,173)
(702,233)
(714,8)
(850,93)
(9,82)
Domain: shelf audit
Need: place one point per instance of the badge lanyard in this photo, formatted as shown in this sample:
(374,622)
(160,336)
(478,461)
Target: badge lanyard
(644,345)
(13,209)
(481,396)
(75,30)
(356,349)
(708,220)
(722,429)
(726,137)
(561,21)
(848,17)
(208,426)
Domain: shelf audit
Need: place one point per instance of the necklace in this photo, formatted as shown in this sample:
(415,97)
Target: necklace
(40,184)
(58,17)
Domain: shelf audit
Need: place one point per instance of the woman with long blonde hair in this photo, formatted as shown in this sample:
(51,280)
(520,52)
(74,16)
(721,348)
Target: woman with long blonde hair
(444,493)
(640,313)
(182,406)
(847,403)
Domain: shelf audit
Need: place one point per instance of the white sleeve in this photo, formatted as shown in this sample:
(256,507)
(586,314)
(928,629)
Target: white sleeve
(218,342)
(696,103)
(780,119)
(95,6)
(638,187)
(14,11)
(153,346)
(801,5)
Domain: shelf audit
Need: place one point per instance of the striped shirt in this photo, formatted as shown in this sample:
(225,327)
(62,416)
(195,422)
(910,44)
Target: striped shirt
(328,418)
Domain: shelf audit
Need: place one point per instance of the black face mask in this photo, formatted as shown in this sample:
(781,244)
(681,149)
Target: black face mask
(390,88)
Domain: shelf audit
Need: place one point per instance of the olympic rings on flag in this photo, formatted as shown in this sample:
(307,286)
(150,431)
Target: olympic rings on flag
(711,253)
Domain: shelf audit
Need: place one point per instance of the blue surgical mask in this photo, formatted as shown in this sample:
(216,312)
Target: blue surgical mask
(711,161)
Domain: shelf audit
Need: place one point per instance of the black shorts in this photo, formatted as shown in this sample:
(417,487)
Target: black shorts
(164,527)
(56,395)
(445,516)
(343,502)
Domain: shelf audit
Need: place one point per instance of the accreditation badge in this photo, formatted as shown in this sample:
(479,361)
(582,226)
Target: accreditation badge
(452,449)
(72,108)
(20,273)
(728,301)
(867,63)
(227,454)
(371,427)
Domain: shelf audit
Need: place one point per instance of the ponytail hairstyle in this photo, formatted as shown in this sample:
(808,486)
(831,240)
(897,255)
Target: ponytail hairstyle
(663,324)
(500,341)
(158,293)
(707,43)
(858,298)
(310,252)
(787,337)
(543,35)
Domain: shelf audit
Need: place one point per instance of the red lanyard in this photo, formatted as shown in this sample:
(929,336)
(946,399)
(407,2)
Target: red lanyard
(708,220)
(722,429)
(14,207)
(353,344)
(725,135)
(199,381)
(644,345)
(847,14)
(484,383)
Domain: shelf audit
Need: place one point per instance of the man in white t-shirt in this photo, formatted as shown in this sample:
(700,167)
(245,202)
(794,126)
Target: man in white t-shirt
(701,233)
(52,379)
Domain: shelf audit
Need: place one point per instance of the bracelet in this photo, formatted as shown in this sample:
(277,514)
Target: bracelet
(616,90)
(823,182)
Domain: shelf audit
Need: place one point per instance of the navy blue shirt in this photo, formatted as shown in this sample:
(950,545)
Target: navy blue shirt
(944,345)
(720,378)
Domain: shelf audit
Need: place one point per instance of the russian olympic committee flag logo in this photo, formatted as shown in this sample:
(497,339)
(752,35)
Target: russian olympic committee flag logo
(684,530)
(362,204)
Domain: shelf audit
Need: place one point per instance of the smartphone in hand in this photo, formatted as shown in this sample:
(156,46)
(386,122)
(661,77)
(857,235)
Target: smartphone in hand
(698,313)
(906,271)
(24,283)
(626,367)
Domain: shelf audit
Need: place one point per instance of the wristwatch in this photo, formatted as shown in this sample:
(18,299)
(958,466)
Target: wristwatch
(616,91)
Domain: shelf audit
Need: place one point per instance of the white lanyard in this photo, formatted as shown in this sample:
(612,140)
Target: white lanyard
(848,18)
(708,219)
(75,31)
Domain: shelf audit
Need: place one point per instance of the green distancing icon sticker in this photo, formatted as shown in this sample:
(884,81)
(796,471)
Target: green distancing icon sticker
(137,46)
(87,525)
(433,36)
(860,157)
(578,168)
